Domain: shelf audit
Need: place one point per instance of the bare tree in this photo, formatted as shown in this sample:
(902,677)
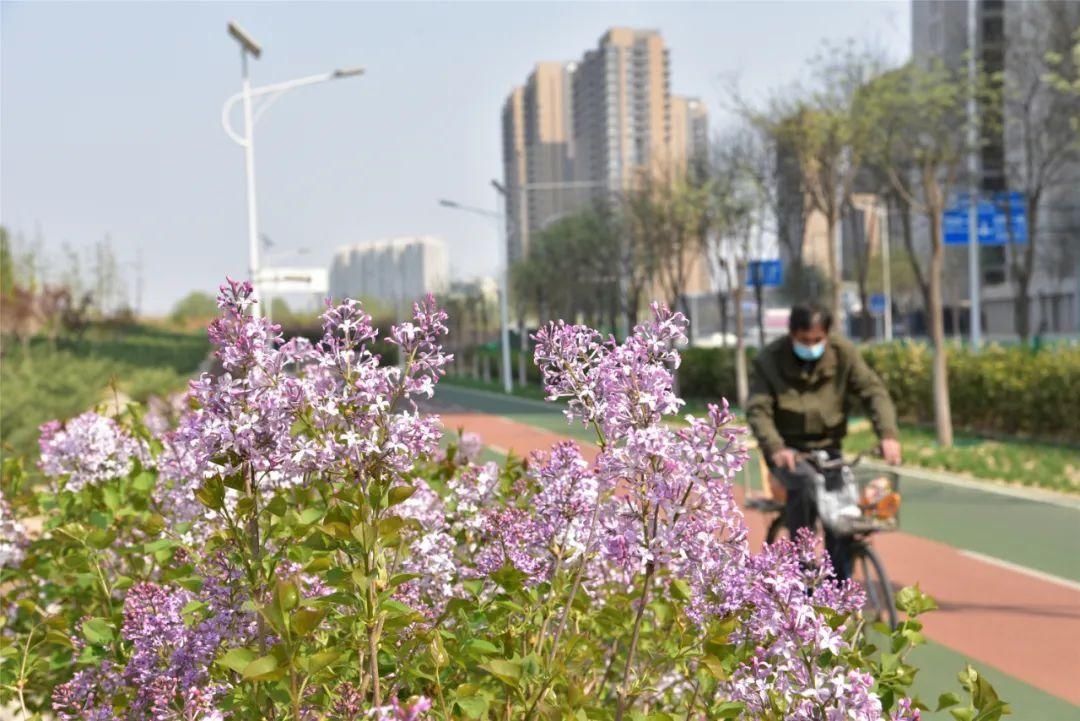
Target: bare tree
(919,122)
(1037,115)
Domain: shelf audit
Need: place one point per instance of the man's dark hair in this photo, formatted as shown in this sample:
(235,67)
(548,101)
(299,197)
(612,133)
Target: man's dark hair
(805,316)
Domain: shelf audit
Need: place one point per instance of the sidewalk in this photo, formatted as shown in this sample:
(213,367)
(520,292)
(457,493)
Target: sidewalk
(1024,625)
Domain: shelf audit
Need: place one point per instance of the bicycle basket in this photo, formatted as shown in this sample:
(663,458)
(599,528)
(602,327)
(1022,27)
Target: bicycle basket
(879,497)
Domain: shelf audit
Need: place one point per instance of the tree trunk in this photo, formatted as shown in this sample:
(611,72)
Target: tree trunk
(913,259)
(942,410)
(632,301)
(684,302)
(759,299)
(865,320)
(523,350)
(1022,308)
(835,301)
(742,379)
(722,302)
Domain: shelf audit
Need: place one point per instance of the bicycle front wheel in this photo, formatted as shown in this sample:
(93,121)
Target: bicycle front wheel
(869,572)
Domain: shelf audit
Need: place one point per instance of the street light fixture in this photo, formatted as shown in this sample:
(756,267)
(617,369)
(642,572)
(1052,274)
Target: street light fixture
(504,287)
(248,46)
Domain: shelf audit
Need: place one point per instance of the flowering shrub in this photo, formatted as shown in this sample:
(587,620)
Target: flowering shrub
(300,545)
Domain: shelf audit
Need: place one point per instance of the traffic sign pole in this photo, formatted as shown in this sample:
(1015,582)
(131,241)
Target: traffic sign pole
(886,270)
(973,184)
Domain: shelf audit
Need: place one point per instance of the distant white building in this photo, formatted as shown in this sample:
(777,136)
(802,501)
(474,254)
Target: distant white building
(392,270)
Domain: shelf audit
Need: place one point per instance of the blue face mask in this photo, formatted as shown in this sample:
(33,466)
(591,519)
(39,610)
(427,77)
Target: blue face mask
(808,352)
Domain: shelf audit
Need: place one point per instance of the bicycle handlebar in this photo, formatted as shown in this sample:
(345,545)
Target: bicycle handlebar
(831,464)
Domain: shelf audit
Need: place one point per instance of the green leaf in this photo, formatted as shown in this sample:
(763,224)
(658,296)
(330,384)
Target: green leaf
(212,494)
(728,709)
(144,482)
(287,595)
(388,527)
(963,714)
(278,506)
(470,698)
(473,707)
(509,672)
(259,669)
(237,659)
(97,630)
(400,578)
(309,516)
(305,620)
(480,647)
(946,700)
(912,601)
(400,493)
(59,638)
(317,662)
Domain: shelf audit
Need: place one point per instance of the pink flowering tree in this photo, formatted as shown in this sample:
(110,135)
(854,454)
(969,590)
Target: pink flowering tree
(304,543)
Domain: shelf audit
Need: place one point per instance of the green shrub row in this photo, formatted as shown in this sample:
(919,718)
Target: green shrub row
(1007,390)
(42,381)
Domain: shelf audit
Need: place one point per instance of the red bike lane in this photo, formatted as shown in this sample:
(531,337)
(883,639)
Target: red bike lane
(1026,626)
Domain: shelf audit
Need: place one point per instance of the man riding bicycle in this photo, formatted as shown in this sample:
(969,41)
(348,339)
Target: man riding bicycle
(798,393)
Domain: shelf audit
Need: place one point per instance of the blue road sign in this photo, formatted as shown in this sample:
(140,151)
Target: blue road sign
(877,304)
(770,273)
(999,221)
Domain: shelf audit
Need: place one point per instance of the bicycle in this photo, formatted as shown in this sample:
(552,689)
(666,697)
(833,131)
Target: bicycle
(880,516)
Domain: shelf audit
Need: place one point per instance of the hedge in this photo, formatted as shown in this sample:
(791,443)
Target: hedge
(1007,390)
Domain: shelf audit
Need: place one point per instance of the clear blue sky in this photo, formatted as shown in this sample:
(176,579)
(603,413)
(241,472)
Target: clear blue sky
(109,114)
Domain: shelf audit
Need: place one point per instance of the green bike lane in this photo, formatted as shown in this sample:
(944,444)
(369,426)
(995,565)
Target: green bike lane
(1028,536)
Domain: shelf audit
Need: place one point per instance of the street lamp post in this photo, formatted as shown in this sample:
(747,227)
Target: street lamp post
(247,95)
(504,328)
(500,216)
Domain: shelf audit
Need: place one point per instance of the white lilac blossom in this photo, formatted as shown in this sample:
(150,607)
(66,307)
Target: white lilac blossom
(13,538)
(87,450)
(431,552)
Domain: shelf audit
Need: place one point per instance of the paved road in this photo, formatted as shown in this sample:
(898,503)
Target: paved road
(1004,569)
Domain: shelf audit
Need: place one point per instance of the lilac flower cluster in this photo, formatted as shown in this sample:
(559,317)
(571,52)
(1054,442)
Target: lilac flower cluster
(665,495)
(282,412)
(666,503)
(166,676)
(87,450)
(431,553)
(350,705)
(777,594)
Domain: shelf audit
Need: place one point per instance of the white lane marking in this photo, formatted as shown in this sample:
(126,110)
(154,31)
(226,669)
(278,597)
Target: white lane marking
(1048,577)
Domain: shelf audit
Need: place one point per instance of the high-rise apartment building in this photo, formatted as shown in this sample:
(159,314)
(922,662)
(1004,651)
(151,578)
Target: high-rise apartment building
(549,143)
(513,127)
(392,270)
(622,109)
(593,124)
(689,138)
(1010,40)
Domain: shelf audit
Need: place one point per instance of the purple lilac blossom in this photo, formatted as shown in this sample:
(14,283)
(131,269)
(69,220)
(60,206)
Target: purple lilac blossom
(87,450)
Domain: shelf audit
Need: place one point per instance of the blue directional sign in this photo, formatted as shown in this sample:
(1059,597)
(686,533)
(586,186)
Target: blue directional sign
(1000,221)
(877,304)
(770,273)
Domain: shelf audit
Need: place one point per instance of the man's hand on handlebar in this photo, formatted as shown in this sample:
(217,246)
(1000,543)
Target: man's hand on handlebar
(890,451)
(785,458)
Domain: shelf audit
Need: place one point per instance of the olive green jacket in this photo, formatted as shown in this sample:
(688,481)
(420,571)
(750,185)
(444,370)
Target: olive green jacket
(801,405)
